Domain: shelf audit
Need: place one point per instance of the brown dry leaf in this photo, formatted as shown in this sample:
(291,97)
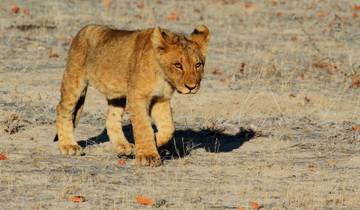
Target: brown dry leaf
(122,162)
(293,37)
(356,7)
(320,65)
(274,2)
(321,14)
(311,165)
(307,100)
(15,9)
(242,68)
(141,5)
(302,77)
(355,81)
(138,17)
(26,12)
(250,7)
(354,15)
(77,199)
(240,208)
(53,55)
(3,157)
(173,16)
(279,14)
(255,205)
(355,128)
(144,201)
(107,4)
(328,67)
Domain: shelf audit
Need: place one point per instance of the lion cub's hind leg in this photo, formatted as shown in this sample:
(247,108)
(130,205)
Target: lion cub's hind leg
(68,110)
(114,129)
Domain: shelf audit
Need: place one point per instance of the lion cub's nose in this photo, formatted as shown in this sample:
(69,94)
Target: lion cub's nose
(191,87)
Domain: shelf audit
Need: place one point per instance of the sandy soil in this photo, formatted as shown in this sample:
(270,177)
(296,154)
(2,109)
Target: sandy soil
(273,122)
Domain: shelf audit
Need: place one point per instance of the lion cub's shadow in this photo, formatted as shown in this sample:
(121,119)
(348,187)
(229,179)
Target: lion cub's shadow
(184,141)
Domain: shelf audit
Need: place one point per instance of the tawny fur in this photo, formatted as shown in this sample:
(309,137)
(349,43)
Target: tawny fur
(140,69)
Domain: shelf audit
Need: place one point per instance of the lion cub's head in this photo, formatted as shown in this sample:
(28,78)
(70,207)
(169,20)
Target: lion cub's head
(182,58)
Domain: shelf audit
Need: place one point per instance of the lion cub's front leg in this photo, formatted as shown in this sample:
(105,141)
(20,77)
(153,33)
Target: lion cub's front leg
(161,113)
(146,150)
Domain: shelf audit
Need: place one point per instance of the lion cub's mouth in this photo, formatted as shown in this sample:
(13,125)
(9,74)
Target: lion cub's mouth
(187,90)
(184,93)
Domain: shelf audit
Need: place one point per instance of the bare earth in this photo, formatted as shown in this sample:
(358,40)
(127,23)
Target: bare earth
(273,122)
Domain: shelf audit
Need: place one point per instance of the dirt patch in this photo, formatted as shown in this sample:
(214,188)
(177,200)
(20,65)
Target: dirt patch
(274,124)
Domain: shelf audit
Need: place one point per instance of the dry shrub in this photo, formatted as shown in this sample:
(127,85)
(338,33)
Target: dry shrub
(12,124)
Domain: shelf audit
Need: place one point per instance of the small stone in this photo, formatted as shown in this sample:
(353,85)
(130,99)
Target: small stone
(159,203)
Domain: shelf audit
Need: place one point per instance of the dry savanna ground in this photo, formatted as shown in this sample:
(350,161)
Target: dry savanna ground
(274,126)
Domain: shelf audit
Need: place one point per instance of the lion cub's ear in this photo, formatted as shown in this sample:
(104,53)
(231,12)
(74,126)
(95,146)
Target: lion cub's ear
(201,36)
(162,38)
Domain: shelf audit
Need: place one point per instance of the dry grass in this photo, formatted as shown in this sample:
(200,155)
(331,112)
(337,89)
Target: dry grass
(285,69)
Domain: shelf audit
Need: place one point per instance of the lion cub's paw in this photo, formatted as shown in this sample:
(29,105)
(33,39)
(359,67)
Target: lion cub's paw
(148,159)
(71,149)
(125,149)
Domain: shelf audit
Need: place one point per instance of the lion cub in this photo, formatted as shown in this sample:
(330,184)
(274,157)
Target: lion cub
(140,69)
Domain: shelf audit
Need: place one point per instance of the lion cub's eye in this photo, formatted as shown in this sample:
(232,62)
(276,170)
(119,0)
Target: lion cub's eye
(178,65)
(198,65)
